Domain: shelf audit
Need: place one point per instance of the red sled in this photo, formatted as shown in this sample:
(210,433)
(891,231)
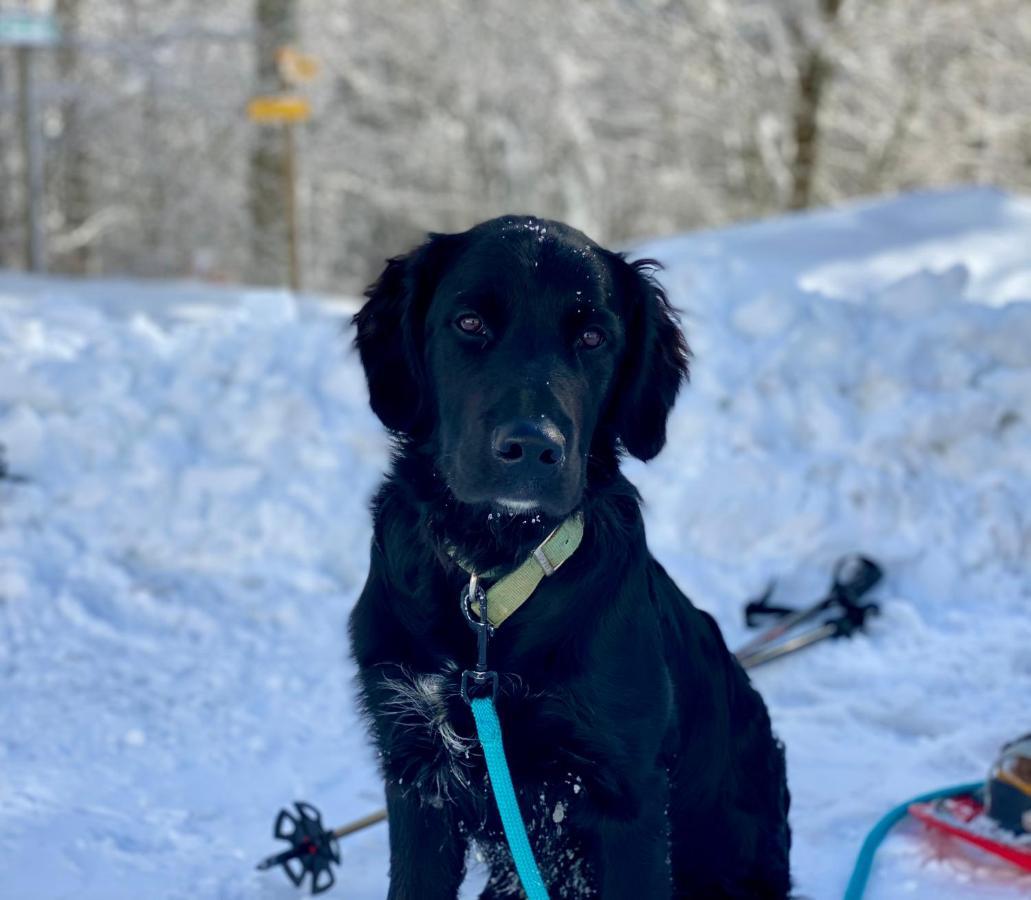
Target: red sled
(964,817)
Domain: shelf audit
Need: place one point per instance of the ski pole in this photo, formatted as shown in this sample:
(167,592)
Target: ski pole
(373,818)
(765,654)
(786,624)
(851,620)
(853,576)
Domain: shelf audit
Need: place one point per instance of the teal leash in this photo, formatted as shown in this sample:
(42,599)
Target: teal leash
(479,688)
(488,730)
(864,861)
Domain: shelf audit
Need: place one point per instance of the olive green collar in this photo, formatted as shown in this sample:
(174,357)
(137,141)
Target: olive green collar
(510,592)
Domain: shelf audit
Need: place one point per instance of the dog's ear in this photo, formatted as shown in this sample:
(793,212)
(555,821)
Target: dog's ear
(389,333)
(655,361)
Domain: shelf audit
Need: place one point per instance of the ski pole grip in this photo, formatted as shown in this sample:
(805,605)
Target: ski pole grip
(855,575)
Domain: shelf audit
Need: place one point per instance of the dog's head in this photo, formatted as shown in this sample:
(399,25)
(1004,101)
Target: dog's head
(514,350)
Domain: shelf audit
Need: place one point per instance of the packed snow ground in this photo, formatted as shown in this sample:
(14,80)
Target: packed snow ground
(187,531)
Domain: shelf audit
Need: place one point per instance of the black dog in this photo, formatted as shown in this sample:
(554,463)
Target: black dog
(514,363)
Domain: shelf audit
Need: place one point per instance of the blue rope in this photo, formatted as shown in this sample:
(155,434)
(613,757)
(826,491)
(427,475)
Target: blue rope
(864,861)
(488,730)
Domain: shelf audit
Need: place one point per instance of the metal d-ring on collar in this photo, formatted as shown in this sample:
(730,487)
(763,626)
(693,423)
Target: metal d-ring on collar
(483,681)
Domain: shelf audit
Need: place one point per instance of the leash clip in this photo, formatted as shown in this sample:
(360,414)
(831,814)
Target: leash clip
(481,681)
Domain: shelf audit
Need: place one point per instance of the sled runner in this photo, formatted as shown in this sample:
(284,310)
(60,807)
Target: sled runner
(997,818)
(965,817)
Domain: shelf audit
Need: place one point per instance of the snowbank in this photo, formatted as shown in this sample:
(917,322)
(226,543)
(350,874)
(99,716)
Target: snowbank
(189,531)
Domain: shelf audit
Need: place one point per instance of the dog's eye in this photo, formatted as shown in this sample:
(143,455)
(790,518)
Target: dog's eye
(592,338)
(469,323)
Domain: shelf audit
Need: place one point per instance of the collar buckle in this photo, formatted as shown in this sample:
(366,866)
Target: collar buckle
(543,561)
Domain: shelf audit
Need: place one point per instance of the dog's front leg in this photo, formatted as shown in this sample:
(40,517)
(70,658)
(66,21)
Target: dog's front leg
(634,851)
(427,848)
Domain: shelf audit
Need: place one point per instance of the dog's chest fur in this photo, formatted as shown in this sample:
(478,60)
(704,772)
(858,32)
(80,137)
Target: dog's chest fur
(436,757)
(443,764)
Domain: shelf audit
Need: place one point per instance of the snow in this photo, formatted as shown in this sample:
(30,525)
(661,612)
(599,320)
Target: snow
(187,531)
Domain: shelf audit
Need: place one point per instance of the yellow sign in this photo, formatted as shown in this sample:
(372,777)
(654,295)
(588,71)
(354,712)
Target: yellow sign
(279,108)
(296,67)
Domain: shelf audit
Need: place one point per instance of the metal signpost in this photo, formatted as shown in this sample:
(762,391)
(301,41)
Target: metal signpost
(26,32)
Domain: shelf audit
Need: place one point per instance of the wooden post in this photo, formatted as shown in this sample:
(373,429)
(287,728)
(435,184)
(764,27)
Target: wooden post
(32,159)
(290,188)
(278,159)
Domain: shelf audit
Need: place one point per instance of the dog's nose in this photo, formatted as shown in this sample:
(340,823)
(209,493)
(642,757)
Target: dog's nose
(529,444)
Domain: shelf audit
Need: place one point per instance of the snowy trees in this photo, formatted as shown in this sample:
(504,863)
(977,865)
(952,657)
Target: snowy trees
(626,117)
